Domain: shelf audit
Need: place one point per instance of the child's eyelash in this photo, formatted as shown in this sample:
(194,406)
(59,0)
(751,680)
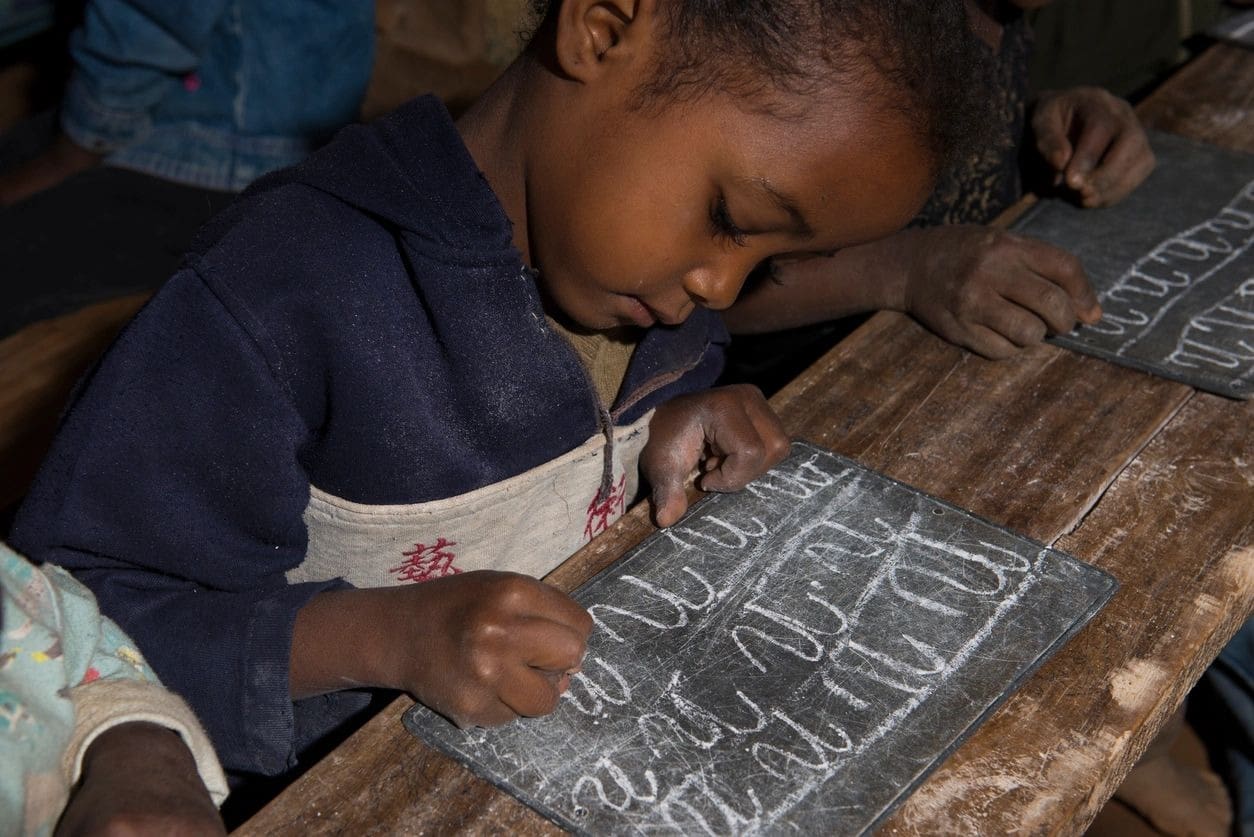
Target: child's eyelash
(722,224)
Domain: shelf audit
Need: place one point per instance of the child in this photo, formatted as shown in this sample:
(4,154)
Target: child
(980,287)
(80,709)
(436,352)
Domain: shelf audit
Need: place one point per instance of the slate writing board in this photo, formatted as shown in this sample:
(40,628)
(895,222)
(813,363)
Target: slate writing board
(1173,266)
(792,658)
(1238,29)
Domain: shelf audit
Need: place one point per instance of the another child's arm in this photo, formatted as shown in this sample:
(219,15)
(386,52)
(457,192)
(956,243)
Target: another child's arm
(1094,142)
(481,648)
(86,713)
(140,778)
(980,287)
(730,432)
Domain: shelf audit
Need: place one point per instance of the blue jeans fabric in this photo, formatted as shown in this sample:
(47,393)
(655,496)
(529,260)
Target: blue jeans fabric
(1221,709)
(215,93)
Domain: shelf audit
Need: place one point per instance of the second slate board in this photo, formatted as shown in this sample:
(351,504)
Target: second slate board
(794,658)
(1173,266)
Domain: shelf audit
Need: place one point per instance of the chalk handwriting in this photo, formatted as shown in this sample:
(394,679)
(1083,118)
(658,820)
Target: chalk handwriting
(768,646)
(1143,295)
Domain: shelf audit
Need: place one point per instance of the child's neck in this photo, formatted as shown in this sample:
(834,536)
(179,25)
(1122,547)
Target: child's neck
(495,129)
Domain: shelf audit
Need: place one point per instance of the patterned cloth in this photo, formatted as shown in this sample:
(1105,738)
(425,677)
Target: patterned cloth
(988,182)
(67,675)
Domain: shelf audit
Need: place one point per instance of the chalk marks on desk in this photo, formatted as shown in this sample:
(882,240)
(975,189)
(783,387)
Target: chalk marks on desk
(1173,266)
(795,657)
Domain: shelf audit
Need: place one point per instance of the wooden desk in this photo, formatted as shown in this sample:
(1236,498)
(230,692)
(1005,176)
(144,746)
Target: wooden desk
(1146,478)
(38,368)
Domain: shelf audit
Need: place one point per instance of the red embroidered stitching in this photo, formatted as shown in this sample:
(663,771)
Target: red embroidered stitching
(601,508)
(424,562)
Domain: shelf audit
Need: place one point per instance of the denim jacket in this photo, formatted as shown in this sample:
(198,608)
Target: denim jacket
(215,93)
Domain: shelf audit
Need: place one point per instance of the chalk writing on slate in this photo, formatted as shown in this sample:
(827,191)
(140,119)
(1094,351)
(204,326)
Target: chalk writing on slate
(1173,266)
(794,657)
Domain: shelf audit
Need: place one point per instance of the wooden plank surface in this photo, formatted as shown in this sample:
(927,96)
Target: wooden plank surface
(1177,530)
(1211,99)
(1141,476)
(38,368)
(1030,442)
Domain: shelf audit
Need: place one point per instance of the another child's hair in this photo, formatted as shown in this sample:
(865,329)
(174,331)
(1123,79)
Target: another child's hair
(925,57)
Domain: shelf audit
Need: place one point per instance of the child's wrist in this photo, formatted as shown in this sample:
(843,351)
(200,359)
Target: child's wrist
(135,741)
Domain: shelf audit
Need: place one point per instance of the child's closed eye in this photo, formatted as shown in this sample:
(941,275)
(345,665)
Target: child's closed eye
(723,226)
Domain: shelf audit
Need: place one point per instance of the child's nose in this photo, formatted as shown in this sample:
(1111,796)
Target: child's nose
(715,286)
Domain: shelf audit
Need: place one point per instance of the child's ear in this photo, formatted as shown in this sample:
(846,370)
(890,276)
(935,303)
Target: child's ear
(592,34)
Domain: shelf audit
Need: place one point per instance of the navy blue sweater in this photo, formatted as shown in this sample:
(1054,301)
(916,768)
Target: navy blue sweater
(360,323)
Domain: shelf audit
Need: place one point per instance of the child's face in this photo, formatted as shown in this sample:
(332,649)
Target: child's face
(645,215)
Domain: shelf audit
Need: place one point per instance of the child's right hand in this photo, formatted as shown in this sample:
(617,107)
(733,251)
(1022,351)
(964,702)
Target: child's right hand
(994,292)
(481,648)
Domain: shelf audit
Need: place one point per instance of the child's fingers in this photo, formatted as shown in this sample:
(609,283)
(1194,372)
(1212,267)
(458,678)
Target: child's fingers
(1045,299)
(1017,324)
(1128,162)
(747,447)
(531,692)
(988,343)
(1067,272)
(551,646)
(670,498)
(1052,143)
(1050,128)
(1090,149)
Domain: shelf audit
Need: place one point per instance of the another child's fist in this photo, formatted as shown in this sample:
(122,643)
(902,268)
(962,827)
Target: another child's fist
(731,432)
(1094,142)
(995,292)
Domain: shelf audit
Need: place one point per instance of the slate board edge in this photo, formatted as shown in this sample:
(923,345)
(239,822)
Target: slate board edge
(1210,383)
(1099,601)
(1100,598)
(1203,380)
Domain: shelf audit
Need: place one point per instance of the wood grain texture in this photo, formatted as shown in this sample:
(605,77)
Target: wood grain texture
(1177,530)
(1141,476)
(1030,442)
(1210,99)
(39,366)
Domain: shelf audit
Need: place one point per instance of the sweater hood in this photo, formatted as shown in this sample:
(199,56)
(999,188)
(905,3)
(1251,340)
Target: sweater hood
(411,170)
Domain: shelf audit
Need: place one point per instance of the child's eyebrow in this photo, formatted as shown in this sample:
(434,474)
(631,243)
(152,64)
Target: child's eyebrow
(800,226)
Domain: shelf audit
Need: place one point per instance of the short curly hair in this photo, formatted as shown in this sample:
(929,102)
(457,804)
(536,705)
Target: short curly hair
(921,54)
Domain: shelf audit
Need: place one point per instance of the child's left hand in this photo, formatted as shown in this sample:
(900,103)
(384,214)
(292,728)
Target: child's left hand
(731,432)
(1094,142)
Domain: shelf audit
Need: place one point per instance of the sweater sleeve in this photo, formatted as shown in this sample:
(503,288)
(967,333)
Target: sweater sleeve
(174,491)
(128,55)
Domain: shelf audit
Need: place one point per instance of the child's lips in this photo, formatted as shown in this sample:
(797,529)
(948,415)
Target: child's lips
(663,317)
(640,314)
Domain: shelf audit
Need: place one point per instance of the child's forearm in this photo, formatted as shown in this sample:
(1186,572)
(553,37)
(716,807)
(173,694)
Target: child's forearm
(340,642)
(480,647)
(870,277)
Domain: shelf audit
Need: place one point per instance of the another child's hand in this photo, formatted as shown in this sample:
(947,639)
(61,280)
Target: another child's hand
(992,291)
(481,648)
(140,778)
(731,432)
(1094,142)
